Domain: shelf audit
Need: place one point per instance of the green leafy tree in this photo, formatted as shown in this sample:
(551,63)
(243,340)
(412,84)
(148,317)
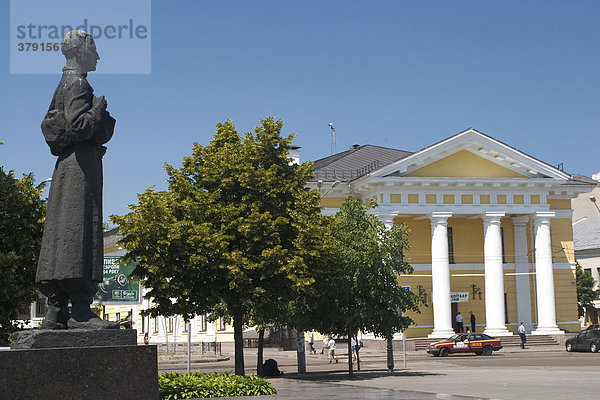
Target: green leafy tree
(21,226)
(231,233)
(357,286)
(586,295)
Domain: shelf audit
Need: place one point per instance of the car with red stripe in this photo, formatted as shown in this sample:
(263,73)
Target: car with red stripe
(478,343)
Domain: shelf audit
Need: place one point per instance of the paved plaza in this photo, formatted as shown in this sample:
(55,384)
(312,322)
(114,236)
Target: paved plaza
(534,373)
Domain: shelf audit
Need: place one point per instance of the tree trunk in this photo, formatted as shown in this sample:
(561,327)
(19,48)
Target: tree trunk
(239,342)
(259,359)
(350,372)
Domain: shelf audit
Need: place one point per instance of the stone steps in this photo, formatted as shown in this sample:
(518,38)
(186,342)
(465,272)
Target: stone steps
(507,341)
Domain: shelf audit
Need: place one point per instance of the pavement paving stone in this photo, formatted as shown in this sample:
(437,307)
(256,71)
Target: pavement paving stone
(326,388)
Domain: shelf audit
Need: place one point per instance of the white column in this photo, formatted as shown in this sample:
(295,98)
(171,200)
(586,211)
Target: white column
(494,275)
(440,276)
(544,276)
(522,289)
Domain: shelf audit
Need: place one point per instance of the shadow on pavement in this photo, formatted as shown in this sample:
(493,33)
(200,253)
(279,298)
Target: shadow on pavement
(340,376)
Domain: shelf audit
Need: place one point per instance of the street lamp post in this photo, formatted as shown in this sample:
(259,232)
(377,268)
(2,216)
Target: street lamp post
(189,346)
(390,354)
(333,149)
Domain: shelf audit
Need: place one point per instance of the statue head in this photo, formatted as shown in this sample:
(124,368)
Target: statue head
(79,49)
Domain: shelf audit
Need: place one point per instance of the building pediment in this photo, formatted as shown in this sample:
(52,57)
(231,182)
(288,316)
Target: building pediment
(474,155)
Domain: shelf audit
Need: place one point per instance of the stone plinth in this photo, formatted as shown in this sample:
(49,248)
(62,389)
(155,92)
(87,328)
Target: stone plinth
(91,373)
(48,338)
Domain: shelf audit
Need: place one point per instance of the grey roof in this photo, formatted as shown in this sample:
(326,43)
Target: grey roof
(356,162)
(586,234)
(582,179)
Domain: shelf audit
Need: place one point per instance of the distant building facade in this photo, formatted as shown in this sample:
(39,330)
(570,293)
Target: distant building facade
(491,229)
(171,329)
(586,238)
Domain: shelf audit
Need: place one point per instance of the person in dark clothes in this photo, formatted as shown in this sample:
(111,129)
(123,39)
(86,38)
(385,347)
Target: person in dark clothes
(473,322)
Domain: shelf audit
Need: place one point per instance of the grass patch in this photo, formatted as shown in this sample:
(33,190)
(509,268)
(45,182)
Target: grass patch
(197,385)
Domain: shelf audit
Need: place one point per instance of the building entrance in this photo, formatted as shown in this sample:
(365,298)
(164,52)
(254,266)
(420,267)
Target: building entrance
(454,312)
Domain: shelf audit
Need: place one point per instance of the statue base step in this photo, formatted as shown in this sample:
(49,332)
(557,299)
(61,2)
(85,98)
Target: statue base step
(53,338)
(90,373)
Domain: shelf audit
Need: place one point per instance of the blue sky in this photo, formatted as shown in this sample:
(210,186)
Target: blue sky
(402,74)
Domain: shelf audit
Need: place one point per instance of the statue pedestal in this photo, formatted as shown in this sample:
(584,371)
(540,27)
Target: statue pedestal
(54,338)
(91,373)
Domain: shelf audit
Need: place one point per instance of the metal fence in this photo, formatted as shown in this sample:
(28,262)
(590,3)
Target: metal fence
(197,348)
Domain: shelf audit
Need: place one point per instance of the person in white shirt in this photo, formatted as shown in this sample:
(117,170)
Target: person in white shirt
(459,323)
(331,347)
(521,332)
(325,349)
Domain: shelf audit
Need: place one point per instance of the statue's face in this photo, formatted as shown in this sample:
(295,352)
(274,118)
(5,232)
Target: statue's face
(88,58)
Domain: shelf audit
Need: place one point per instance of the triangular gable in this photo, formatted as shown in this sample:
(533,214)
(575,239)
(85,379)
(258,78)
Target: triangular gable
(464,164)
(494,158)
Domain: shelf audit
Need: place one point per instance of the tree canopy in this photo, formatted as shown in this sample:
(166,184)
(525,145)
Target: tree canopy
(21,226)
(232,233)
(586,295)
(356,286)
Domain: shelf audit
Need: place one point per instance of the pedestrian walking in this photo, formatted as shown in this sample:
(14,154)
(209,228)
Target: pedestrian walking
(521,332)
(331,347)
(311,341)
(459,323)
(473,322)
(325,348)
(146,338)
(353,341)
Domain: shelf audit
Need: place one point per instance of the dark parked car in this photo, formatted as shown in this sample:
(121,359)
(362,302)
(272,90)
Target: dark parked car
(588,340)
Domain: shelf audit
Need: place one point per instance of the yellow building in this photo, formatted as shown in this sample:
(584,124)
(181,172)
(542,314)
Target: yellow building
(490,229)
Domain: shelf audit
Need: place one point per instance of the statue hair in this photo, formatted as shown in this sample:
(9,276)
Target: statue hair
(73,42)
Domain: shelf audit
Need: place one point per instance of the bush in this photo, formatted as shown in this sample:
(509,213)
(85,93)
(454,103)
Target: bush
(197,385)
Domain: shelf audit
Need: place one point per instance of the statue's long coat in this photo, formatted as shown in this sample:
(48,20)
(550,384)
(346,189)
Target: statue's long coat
(72,245)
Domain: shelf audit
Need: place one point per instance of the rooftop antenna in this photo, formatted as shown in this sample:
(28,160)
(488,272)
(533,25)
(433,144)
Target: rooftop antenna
(332,126)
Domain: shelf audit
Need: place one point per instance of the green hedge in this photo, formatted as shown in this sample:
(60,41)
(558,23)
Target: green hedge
(197,385)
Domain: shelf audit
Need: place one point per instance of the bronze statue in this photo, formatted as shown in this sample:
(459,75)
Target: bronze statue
(75,127)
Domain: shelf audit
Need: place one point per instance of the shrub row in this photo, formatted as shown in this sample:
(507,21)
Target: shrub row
(197,385)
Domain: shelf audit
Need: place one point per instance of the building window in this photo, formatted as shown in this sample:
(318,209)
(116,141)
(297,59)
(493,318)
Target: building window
(185,325)
(502,239)
(40,307)
(170,325)
(145,324)
(450,246)
(117,317)
(220,324)
(155,325)
(203,325)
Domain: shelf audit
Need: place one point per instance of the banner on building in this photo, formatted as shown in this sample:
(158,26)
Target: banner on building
(459,297)
(117,286)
